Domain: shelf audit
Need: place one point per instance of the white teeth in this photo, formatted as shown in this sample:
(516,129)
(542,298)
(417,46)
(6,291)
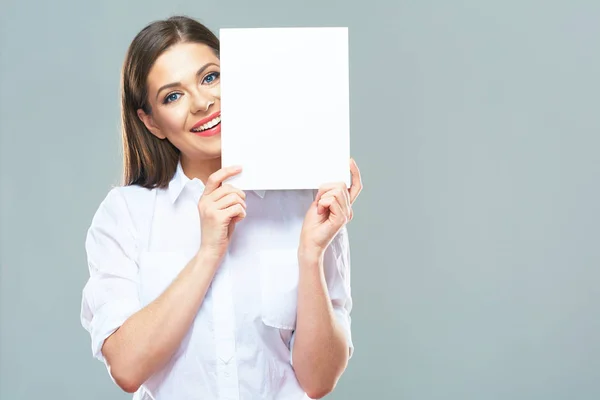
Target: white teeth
(208,125)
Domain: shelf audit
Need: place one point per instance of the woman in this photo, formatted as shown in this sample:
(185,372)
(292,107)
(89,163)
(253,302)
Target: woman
(198,290)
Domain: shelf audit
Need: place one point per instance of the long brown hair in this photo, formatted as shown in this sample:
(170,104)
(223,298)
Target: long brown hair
(147,160)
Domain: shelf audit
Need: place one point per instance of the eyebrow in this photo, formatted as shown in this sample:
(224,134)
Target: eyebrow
(175,84)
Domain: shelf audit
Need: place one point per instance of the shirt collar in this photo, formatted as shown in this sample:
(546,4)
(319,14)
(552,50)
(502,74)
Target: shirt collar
(180,181)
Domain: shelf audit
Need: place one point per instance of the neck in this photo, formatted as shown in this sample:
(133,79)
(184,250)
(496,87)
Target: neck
(200,169)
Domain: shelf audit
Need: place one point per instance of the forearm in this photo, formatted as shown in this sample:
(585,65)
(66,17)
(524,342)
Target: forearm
(148,339)
(320,352)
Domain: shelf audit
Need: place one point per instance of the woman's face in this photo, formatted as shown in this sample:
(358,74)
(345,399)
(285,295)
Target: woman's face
(185,97)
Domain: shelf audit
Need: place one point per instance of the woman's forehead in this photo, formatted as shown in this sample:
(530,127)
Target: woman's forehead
(181,61)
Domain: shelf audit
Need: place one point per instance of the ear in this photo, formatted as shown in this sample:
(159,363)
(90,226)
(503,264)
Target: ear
(150,124)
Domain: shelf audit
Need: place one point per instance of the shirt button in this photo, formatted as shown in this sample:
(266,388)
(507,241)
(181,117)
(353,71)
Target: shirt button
(226,374)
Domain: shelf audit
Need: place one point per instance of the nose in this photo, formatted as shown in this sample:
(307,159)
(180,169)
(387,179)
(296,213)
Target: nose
(201,102)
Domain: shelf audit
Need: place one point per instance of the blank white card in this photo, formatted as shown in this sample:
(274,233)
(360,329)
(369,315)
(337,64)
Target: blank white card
(285,106)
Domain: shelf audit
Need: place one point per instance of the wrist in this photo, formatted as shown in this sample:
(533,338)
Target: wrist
(310,253)
(207,258)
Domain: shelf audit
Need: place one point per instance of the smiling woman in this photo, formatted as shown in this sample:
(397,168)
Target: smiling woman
(188,102)
(198,290)
(170,65)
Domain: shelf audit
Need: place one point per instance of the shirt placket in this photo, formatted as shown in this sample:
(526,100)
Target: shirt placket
(224,325)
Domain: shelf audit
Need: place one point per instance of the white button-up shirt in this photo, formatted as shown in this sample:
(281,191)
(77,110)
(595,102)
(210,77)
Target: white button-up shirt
(239,345)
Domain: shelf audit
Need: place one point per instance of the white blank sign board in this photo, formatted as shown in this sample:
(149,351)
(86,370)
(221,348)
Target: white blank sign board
(285,106)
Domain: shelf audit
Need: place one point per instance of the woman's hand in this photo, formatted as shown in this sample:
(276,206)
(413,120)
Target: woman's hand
(221,207)
(330,211)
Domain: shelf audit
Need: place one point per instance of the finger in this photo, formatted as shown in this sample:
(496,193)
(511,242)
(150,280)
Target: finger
(340,193)
(356,186)
(229,200)
(216,179)
(324,189)
(329,187)
(234,213)
(321,206)
(324,203)
(225,190)
(236,219)
(236,216)
(336,210)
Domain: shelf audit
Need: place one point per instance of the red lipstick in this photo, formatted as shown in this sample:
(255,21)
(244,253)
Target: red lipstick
(211,131)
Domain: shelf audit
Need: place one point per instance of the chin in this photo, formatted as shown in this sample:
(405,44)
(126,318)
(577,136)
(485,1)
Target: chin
(210,150)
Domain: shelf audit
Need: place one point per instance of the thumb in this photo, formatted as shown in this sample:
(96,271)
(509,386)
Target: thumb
(320,209)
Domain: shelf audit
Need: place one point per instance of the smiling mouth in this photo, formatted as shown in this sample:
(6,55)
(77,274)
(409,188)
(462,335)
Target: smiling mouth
(210,124)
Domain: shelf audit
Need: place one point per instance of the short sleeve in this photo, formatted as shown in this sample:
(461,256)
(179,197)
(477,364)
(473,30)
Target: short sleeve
(336,263)
(110,295)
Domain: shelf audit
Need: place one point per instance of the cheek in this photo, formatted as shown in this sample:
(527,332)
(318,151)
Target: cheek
(174,118)
(215,91)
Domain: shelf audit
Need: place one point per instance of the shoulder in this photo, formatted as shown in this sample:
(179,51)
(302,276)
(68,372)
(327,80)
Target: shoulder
(128,195)
(133,193)
(119,217)
(121,201)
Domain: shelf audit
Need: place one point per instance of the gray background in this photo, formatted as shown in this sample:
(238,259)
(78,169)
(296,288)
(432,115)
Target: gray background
(476,239)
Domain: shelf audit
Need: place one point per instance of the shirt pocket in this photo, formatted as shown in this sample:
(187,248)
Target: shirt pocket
(279,287)
(158,269)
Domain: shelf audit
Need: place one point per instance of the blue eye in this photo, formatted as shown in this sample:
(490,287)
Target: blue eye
(171,97)
(211,78)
